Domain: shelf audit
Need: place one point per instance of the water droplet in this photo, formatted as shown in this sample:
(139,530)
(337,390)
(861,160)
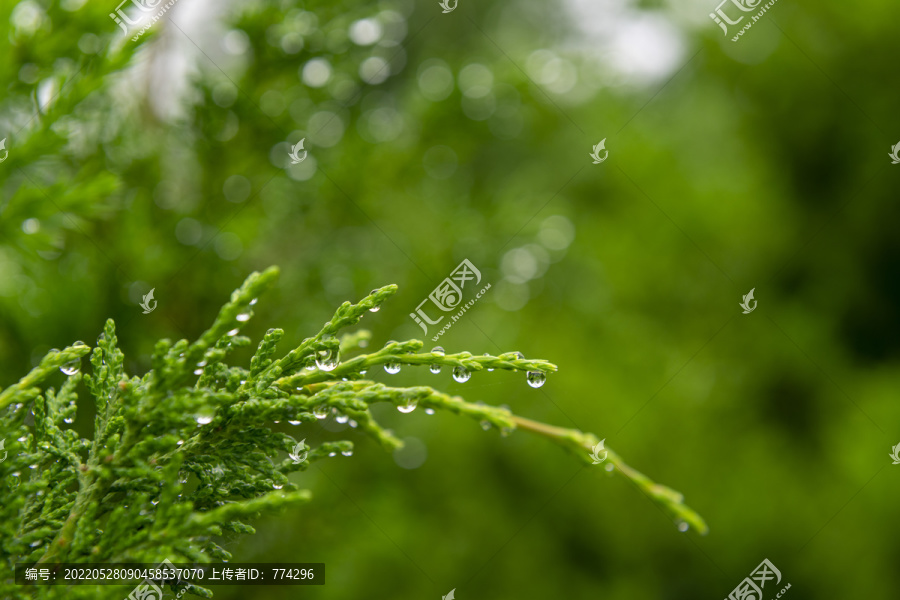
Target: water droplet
(429,411)
(392,368)
(320,411)
(342,418)
(254,301)
(327,360)
(535,378)
(363,371)
(202,363)
(198,371)
(332,454)
(353,423)
(180,442)
(461,374)
(22,439)
(347,452)
(79,343)
(154,502)
(440,352)
(71,367)
(101,338)
(485,425)
(243,381)
(294,422)
(277,486)
(36,543)
(505,431)
(243,316)
(683,526)
(68,420)
(610,467)
(374,308)
(276,422)
(408,407)
(519,355)
(204,417)
(233,332)
(489,368)
(32,466)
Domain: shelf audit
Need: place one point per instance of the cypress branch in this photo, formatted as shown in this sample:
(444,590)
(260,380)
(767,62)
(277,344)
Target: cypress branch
(186,452)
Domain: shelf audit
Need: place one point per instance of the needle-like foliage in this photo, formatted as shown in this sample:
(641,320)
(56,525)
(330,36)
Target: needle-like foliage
(124,496)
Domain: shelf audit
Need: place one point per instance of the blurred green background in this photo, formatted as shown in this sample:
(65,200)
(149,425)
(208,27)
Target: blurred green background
(433,137)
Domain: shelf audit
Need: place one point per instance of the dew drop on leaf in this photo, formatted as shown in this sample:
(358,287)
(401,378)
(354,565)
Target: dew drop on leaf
(440,352)
(392,368)
(461,374)
(327,360)
(535,378)
(71,367)
(408,407)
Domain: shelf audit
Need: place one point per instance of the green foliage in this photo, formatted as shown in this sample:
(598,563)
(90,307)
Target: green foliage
(186,453)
